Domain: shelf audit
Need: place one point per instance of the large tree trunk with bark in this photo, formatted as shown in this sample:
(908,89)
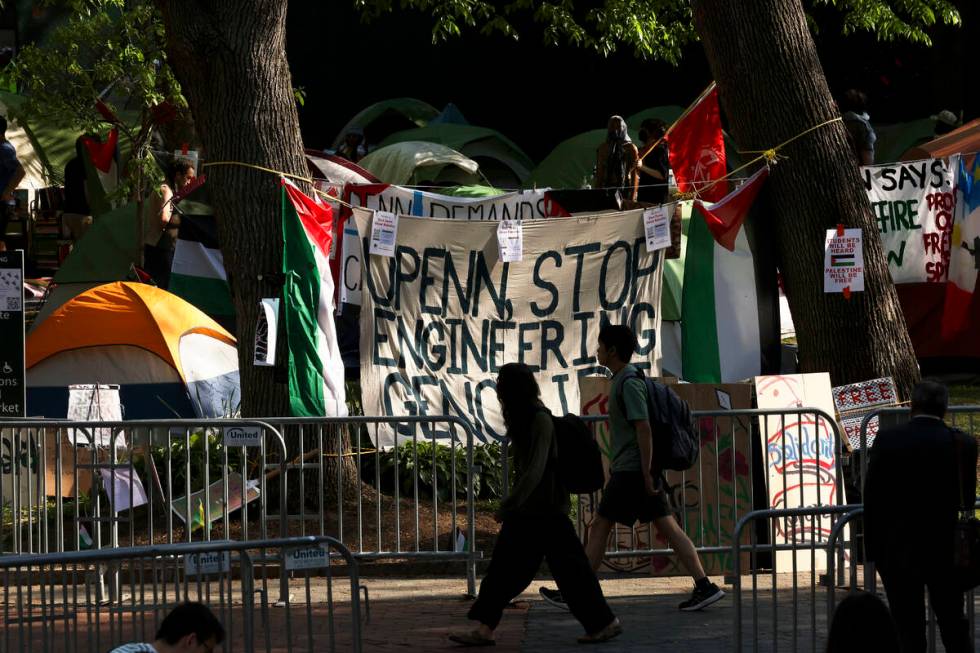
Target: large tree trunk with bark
(772,87)
(230,58)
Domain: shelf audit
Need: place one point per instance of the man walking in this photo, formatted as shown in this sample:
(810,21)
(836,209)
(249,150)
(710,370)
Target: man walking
(636,487)
(919,476)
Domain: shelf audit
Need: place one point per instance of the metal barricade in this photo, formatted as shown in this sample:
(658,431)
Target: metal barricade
(798,585)
(718,491)
(863,576)
(139,483)
(50,605)
(337,459)
(962,417)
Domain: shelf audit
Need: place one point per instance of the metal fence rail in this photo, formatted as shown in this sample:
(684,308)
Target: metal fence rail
(800,562)
(429,512)
(51,604)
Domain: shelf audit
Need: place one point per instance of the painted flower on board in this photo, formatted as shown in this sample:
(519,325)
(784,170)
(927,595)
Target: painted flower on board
(725,465)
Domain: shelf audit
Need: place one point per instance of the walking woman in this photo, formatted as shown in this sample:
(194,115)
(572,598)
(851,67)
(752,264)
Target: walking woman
(535,524)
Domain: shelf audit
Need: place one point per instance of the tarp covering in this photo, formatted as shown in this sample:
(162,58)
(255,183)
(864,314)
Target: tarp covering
(106,251)
(964,140)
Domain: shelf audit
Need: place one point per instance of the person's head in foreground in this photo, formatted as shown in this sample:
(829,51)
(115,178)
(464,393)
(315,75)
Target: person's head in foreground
(189,628)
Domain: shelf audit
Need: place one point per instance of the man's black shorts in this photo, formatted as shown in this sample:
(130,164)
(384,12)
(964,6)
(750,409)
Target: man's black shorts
(625,500)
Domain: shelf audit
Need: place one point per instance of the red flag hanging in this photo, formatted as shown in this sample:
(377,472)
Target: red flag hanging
(697,150)
(726,216)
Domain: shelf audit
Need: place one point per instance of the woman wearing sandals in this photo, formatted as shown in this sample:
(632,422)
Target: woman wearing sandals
(535,524)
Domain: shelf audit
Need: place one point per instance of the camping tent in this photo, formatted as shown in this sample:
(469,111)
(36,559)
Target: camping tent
(411,162)
(169,359)
(570,164)
(501,161)
(387,117)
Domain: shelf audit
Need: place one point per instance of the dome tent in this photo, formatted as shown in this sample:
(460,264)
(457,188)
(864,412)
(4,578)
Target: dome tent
(384,118)
(416,161)
(169,358)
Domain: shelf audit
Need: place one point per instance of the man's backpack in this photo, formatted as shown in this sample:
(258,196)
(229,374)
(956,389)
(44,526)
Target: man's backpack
(578,458)
(675,436)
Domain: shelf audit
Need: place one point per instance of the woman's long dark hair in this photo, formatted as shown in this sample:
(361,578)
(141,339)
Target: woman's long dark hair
(519,394)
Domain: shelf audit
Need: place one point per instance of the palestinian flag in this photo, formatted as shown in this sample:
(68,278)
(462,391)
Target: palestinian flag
(316,371)
(101,170)
(721,340)
(198,271)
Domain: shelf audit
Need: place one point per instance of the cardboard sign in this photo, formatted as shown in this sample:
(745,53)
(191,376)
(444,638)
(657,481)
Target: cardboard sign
(856,400)
(801,458)
(21,460)
(94,403)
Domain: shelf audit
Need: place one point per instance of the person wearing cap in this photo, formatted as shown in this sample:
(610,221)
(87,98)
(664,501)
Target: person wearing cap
(353,148)
(946,121)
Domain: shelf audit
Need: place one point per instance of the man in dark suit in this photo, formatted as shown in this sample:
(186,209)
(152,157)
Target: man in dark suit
(919,475)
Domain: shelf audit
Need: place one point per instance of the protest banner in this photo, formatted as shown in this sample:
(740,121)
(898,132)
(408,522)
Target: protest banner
(856,400)
(442,316)
(519,205)
(801,459)
(913,203)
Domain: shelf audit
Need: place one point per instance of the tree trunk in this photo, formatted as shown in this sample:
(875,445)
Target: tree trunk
(772,87)
(230,58)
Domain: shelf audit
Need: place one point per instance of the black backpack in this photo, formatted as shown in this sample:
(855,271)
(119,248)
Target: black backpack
(675,438)
(577,456)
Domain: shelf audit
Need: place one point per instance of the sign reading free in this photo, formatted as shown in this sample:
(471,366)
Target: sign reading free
(243,436)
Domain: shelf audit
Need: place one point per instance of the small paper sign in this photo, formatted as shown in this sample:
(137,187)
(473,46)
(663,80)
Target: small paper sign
(843,262)
(384,230)
(314,558)
(243,436)
(656,224)
(510,240)
(197,564)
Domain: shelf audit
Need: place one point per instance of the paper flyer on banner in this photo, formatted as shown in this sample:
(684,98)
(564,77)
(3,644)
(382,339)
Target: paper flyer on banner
(843,261)
(384,231)
(656,224)
(510,240)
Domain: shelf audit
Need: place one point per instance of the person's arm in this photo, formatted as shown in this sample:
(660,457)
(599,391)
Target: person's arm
(644,439)
(600,168)
(15,179)
(542,433)
(167,207)
(653,172)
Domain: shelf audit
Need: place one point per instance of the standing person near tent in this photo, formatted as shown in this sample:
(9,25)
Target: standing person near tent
(654,168)
(616,161)
(76,213)
(11,174)
(162,223)
(860,133)
(535,524)
(635,489)
(353,148)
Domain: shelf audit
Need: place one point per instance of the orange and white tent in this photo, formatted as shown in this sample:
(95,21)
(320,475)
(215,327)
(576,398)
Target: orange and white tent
(169,359)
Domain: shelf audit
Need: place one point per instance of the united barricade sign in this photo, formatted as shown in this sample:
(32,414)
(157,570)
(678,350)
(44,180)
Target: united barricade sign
(243,436)
(202,564)
(314,558)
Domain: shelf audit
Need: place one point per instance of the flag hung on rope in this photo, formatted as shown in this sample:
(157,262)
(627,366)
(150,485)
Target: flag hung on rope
(697,149)
(720,335)
(964,260)
(198,270)
(101,170)
(316,372)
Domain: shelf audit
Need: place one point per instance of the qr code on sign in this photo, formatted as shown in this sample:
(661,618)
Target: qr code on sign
(12,303)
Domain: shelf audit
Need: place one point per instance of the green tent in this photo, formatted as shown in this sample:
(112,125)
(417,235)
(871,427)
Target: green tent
(502,162)
(894,140)
(388,116)
(106,251)
(570,164)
